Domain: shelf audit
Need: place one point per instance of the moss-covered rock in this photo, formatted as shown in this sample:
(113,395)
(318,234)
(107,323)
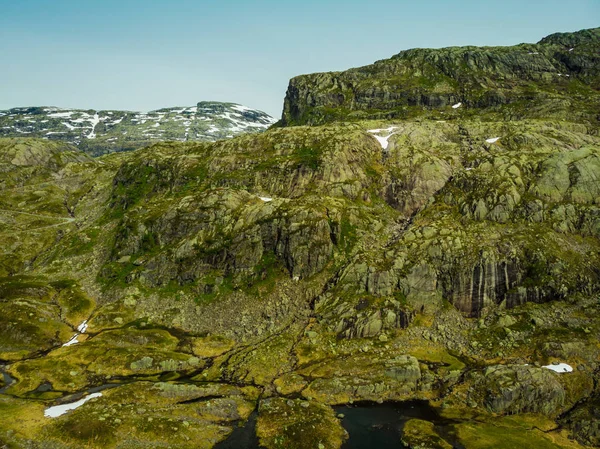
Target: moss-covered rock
(298,424)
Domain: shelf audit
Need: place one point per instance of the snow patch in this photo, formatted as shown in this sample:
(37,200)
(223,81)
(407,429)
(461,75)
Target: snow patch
(72,341)
(560,368)
(266,199)
(75,339)
(239,107)
(59,410)
(456,106)
(492,140)
(383,141)
(61,114)
(95,121)
(83,327)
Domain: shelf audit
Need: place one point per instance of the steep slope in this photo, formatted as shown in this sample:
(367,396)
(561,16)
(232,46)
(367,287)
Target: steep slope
(100,132)
(558,77)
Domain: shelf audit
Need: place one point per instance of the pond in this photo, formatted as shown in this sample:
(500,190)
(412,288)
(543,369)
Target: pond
(372,425)
(242,437)
(369,425)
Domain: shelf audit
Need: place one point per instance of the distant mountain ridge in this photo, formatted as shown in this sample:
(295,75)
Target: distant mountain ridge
(100,132)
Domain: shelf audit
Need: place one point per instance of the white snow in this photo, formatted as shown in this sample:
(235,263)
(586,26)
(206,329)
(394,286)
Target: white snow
(82,327)
(59,410)
(534,53)
(239,107)
(72,341)
(75,339)
(493,140)
(266,199)
(95,121)
(68,125)
(383,141)
(61,114)
(560,368)
(571,49)
(457,105)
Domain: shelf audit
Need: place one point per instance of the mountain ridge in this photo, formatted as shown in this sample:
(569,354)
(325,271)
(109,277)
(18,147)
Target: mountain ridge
(102,131)
(554,77)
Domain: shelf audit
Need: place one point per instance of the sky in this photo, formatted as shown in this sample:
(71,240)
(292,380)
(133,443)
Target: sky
(147,54)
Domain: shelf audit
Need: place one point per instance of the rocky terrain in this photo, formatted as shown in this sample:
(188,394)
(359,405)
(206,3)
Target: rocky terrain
(450,255)
(101,132)
(557,77)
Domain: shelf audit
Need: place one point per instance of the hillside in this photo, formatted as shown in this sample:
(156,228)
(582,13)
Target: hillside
(284,280)
(101,132)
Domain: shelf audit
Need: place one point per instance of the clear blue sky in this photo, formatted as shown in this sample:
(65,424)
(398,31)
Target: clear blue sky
(147,54)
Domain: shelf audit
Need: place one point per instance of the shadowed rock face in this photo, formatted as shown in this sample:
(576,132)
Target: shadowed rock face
(527,80)
(490,283)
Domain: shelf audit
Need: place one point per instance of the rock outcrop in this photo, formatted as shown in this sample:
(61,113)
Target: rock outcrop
(552,78)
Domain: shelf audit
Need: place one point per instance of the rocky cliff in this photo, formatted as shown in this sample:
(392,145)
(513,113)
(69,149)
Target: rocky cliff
(557,77)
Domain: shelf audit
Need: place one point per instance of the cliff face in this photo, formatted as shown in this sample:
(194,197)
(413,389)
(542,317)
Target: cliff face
(558,77)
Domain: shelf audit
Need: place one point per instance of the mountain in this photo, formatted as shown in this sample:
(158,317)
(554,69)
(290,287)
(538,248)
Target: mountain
(557,77)
(100,132)
(305,281)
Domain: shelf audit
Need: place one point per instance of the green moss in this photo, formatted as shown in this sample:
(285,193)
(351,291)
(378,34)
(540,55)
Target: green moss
(503,435)
(421,434)
(308,157)
(291,424)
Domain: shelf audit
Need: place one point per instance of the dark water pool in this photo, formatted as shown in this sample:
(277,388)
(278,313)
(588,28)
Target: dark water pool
(242,437)
(8,380)
(369,426)
(372,425)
